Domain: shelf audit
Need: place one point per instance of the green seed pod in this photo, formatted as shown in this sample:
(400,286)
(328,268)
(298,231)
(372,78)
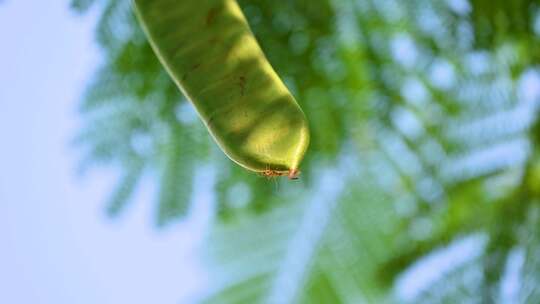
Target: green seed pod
(210,52)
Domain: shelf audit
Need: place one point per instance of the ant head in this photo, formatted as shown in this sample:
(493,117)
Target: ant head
(293,174)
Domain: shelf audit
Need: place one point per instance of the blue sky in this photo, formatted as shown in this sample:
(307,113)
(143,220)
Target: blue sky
(56,245)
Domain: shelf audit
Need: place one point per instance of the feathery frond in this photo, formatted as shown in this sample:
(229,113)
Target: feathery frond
(423,114)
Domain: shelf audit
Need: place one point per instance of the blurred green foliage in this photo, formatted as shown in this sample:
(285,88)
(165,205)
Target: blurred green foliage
(425,138)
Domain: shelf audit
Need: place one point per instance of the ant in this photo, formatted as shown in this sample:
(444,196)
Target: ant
(291,174)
